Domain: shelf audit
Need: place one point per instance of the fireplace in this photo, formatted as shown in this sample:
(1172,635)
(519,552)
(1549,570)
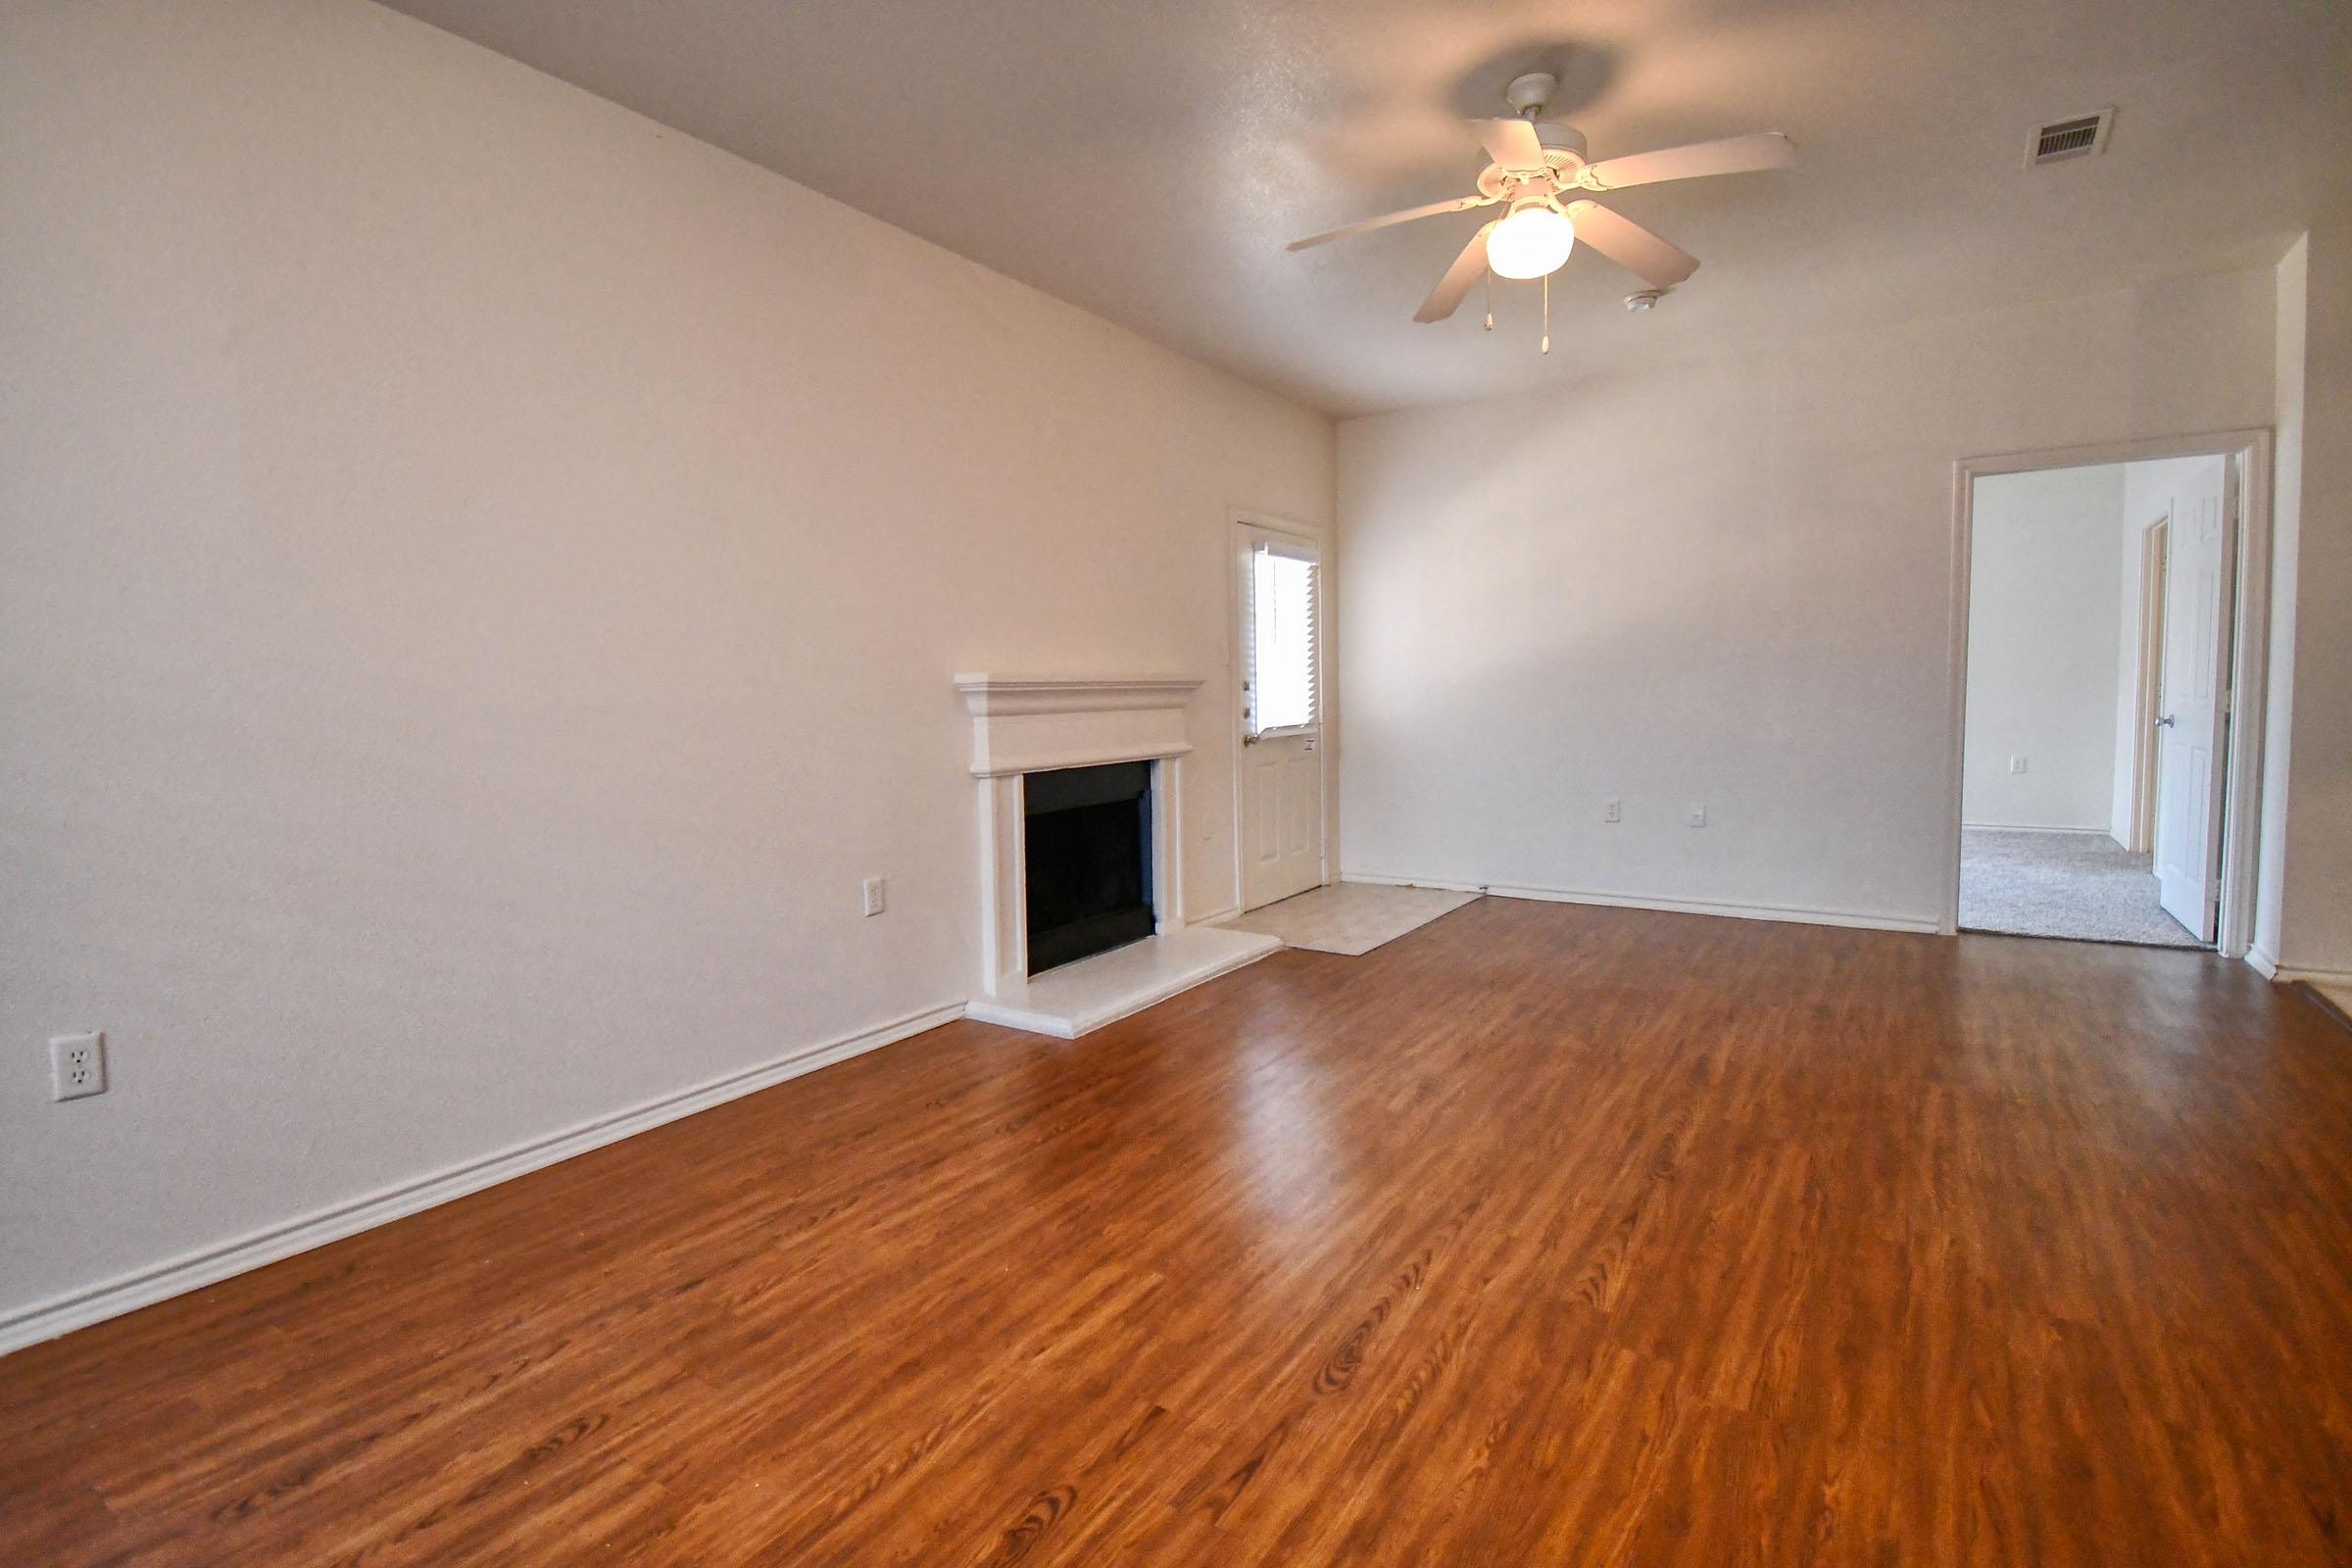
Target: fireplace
(1081,795)
(1087,860)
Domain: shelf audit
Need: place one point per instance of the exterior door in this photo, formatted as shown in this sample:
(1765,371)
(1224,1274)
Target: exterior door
(2193,726)
(1282,715)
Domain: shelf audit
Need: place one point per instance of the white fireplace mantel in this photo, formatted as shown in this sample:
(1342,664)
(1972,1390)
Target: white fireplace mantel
(1036,723)
(1029,724)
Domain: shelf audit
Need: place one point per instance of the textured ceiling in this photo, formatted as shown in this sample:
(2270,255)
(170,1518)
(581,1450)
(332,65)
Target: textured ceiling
(1149,161)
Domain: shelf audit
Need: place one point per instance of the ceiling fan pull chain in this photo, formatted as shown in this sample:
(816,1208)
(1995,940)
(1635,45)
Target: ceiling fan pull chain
(1547,313)
(1489,282)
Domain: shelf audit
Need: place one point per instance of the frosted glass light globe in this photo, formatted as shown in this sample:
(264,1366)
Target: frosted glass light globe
(1531,242)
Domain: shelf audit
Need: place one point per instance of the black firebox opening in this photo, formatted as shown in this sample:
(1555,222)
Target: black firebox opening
(1089,861)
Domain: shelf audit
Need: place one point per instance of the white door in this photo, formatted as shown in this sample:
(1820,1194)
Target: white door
(2195,713)
(1282,717)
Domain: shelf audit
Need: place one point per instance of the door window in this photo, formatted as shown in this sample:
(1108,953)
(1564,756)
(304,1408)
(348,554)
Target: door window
(1282,641)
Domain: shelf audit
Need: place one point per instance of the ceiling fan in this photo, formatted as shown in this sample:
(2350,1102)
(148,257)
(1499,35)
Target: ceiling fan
(1539,173)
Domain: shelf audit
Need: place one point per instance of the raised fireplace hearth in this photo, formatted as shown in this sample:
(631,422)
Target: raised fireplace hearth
(1081,864)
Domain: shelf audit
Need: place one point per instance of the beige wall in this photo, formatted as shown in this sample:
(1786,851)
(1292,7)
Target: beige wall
(1722,582)
(479,580)
(2308,929)
(2043,638)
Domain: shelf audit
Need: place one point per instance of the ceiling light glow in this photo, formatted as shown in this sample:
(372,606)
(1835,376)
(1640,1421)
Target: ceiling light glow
(1534,240)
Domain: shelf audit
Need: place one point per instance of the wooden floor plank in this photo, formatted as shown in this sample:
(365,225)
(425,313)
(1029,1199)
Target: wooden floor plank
(1543,1233)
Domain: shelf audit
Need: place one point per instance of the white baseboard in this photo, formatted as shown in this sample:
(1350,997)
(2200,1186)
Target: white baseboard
(45,1320)
(2287,974)
(2102,829)
(1803,914)
(2266,963)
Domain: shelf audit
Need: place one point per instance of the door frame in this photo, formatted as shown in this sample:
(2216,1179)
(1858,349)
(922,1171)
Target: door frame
(1240,525)
(2147,683)
(2248,478)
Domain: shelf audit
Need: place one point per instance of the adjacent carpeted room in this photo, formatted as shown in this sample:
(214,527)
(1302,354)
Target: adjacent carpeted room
(2055,884)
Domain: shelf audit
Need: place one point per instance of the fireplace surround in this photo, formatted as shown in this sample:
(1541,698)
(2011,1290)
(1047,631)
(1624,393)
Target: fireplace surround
(1029,726)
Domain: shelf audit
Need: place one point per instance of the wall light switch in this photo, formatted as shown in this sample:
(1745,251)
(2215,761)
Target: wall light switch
(1612,810)
(77,1066)
(877,895)
(2017,764)
(1698,815)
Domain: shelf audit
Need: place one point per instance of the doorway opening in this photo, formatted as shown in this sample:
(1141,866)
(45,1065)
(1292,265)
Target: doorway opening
(2104,776)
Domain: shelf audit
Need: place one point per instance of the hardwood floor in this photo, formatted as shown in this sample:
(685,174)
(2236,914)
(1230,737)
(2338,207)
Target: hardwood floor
(1542,1236)
(2333,999)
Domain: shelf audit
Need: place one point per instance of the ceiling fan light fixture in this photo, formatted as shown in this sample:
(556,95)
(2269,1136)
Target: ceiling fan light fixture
(1533,241)
(1534,165)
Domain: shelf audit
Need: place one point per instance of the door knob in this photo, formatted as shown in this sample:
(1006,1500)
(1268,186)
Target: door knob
(2165,722)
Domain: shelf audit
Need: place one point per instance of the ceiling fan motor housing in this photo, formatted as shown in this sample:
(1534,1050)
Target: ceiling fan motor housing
(1563,151)
(1559,139)
(1528,95)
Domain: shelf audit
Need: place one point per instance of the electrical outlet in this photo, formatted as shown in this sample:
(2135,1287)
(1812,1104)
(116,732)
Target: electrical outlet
(1698,815)
(1612,810)
(2017,764)
(77,1066)
(877,895)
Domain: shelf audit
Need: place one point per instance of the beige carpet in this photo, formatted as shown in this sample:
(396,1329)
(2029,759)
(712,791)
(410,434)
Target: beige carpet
(1350,917)
(2079,885)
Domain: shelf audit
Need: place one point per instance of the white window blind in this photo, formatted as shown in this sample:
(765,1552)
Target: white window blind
(1282,641)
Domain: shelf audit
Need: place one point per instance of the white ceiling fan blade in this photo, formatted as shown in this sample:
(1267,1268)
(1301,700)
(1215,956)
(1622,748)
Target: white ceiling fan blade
(1460,203)
(1467,267)
(1511,143)
(1735,155)
(1657,262)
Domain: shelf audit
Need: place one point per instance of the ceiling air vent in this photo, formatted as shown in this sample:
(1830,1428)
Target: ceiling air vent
(2077,136)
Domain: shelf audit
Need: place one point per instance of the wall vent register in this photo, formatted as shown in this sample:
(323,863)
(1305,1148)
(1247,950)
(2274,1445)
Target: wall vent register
(2077,136)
